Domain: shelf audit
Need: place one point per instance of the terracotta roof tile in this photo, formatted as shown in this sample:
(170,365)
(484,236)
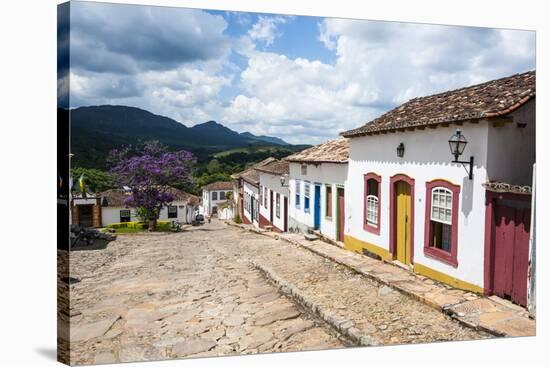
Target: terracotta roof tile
(276,167)
(334,151)
(252,175)
(218,185)
(116,197)
(491,99)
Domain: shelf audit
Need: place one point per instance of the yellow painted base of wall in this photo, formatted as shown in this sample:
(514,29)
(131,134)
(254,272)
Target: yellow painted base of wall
(447,279)
(355,245)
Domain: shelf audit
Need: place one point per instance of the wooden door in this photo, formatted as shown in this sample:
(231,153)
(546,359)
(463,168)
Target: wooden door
(511,249)
(286,214)
(341,216)
(402,220)
(271,207)
(317,208)
(85,213)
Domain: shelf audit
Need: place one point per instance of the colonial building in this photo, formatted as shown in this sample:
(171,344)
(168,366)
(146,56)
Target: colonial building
(317,178)
(113,209)
(86,211)
(442,184)
(246,188)
(273,195)
(213,195)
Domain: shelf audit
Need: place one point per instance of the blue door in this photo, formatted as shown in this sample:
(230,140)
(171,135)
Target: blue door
(317,208)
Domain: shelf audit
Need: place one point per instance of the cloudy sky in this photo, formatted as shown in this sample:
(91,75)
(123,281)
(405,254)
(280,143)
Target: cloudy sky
(303,79)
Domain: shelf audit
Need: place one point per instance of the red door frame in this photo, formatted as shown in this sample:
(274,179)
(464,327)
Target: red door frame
(489,248)
(341,211)
(271,206)
(286,214)
(393,213)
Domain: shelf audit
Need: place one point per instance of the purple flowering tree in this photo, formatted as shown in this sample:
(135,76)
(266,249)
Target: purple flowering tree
(150,173)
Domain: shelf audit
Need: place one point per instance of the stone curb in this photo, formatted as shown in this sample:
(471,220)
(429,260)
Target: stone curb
(342,326)
(445,309)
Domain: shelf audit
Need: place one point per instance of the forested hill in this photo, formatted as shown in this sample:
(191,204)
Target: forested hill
(95,130)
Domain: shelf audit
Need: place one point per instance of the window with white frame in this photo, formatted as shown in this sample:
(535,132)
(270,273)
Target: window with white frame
(265,196)
(172,211)
(297,183)
(278,205)
(372,202)
(125,215)
(214,195)
(441,215)
(306,196)
(222,195)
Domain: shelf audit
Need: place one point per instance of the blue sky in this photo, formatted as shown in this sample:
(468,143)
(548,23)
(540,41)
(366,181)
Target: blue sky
(303,79)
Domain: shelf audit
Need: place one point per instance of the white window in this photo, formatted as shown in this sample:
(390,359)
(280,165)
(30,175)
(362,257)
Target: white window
(297,182)
(222,195)
(304,169)
(125,215)
(214,195)
(442,205)
(265,197)
(307,186)
(278,206)
(372,210)
(172,211)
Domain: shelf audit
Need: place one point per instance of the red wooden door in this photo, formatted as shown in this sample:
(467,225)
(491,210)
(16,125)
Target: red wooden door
(286,214)
(511,249)
(341,216)
(271,207)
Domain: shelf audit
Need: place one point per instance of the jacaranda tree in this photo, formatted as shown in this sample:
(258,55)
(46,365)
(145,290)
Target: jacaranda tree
(150,173)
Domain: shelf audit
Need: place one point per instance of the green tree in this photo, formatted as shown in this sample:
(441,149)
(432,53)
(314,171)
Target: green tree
(94,179)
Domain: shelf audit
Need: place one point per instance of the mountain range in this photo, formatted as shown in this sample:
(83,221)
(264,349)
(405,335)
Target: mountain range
(95,130)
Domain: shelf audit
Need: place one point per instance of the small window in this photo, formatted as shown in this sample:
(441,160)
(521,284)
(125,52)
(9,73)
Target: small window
(125,215)
(441,218)
(260,194)
(265,197)
(304,169)
(278,206)
(172,212)
(214,195)
(297,182)
(306,197)
(328,202)
(222,195)
(372,202)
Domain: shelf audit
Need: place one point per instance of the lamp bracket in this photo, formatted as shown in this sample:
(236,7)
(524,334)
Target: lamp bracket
(468,166)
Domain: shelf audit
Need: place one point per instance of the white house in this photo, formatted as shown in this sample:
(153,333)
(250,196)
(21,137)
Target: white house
(213,195)
(317,178)
(114,210)
(407,201)
(247,186)
(273,196)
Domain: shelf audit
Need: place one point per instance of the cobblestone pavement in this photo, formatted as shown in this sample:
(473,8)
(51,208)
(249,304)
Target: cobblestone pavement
(196,293)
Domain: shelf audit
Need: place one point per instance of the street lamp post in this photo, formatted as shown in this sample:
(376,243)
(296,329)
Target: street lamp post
(457,143)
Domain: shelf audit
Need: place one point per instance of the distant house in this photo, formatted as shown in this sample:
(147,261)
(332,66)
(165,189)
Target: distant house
(247,187)
(317,178)
(113,209)
(86,211)
(464,224)
(273,196)
(213,195)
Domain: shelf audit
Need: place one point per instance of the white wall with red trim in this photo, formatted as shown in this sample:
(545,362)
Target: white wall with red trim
(251,190)
(333,174)
(427,157)
(273,184)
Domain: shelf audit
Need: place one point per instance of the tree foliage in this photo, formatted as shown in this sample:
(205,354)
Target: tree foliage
(150,173)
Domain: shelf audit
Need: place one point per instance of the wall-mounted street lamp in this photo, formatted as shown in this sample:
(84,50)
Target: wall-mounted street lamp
(284,180)
(457,143)
(401,150)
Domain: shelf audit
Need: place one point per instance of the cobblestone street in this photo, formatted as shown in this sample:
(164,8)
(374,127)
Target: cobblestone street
(204,292)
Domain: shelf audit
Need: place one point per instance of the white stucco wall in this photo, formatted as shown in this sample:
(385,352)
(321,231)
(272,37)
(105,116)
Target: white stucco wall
(110,214)
(273,184)
(511,150)
(332,174)
(208,203)
(253,191)
(427,157)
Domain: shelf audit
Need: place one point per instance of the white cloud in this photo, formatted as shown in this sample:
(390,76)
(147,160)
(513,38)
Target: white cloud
(265,29)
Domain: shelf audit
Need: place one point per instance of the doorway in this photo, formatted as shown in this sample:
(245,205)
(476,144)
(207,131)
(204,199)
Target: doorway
(317,208)
(340,214)
(402,218)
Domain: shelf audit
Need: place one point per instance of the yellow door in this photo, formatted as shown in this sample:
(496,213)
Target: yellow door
(403,213)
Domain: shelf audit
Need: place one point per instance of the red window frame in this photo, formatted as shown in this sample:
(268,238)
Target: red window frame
(438,254)
(328,199)
(369,227)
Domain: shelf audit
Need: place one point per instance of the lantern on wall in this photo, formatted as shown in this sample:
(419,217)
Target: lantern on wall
(401,150)
(457,144)
(283,180)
